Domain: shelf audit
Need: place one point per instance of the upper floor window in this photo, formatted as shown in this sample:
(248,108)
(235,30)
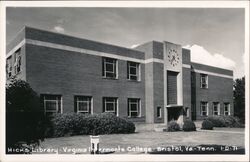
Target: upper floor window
(52,104)
(226,109)
(204,109)
(216,108)
(204,80)
(133,71)
(83,104)
(109,68)
(9,67)
(110,105)
(134,107)
(17,61)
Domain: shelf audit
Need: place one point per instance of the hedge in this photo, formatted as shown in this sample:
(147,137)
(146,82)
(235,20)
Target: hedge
(69,124)
(225,121)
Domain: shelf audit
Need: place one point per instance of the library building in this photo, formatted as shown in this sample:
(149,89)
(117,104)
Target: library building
(154,82)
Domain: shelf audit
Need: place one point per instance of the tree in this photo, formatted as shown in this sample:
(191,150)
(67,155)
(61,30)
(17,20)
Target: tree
(24,118)
(239,98)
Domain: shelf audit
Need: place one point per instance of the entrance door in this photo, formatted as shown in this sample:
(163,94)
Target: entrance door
(174,113)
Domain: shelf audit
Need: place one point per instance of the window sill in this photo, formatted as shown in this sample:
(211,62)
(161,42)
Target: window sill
(136,81)
(134,117)
(109,78)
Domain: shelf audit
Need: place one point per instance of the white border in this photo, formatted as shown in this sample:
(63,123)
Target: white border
(155,4)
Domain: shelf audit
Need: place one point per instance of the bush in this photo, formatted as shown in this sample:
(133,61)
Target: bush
(24,118)
(189,125)
(225,121)
(231,121)
(69,124)
(217,121)
(173,126)
(206,124)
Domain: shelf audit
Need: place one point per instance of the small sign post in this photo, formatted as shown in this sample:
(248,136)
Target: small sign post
(94,141)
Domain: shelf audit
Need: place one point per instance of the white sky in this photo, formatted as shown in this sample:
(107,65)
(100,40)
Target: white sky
(215,36)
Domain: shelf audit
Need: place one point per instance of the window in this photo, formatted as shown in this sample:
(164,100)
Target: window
(226,109)
(204,80)
(216,108)
(109,68)
(133,71)
(52,104)
(83,104)
(134,107)
(158,113)
(187,112)
(204,108)
(8,67)
(110,105)
(17,61)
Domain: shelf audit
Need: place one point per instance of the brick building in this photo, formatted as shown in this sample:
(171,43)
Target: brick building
(153,83)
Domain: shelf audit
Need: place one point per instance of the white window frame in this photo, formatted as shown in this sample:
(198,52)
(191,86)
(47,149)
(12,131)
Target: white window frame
(138,71)
(202,107)
(206,81)
(218,108)
(89,103)
(56,101)
(114,65)
(138,103)
(115,105)
(228,106)
(158,109)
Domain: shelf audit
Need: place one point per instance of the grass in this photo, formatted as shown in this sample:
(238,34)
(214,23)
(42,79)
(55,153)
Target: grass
(138,142)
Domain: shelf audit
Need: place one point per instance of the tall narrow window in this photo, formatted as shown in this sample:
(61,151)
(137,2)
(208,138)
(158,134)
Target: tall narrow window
(204,80)
(204,109)
(52,104)
(17,61)
(216,108)
(110,105)
(133,71)
(83,104)
(226,109)
(109,68)
(9,67)
(158,112)
(134,107)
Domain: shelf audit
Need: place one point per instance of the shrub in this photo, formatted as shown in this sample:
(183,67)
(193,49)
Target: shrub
(79,124)
(231,121)
(24,119)
(173,126)
(189,125)
(217,121)
(206,124)
(225,121)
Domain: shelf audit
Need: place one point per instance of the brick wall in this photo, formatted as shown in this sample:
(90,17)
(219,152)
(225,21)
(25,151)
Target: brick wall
(53,71)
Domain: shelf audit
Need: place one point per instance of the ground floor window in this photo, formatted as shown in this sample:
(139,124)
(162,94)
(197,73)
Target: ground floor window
(134,107)
(158,113)
(226,109)
(110,105)
(52,104)
(83,104)
(216,108)
(204,109)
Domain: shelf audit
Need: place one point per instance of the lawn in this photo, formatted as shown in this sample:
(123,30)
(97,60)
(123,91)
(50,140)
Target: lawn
(140,142)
